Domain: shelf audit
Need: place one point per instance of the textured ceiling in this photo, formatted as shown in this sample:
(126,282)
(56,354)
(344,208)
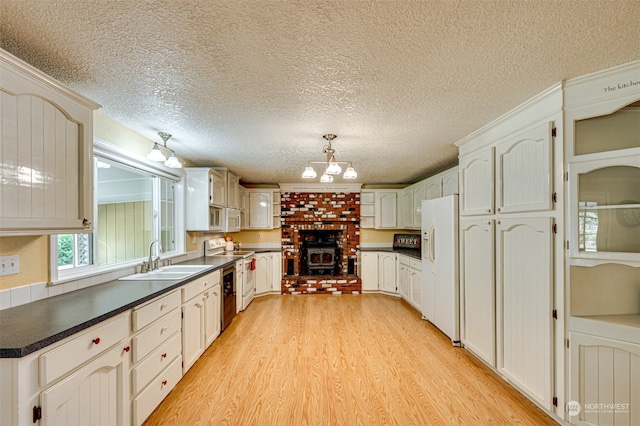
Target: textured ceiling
(253,85)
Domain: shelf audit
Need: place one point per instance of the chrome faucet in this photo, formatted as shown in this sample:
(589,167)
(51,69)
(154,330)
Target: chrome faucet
(152,264)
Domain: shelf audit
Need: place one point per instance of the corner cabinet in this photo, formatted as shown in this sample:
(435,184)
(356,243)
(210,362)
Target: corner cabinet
(379,208)
(603,238)
(262,208)
(47,153)
(268,273)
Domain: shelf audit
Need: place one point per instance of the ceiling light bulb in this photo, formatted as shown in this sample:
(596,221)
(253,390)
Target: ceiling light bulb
(325,178)
(309,173)
(173,162)
(334,168)
(155,154)
(350,173)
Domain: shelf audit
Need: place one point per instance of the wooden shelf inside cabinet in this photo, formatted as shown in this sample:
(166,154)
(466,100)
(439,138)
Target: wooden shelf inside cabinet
(619,327)
(276,209)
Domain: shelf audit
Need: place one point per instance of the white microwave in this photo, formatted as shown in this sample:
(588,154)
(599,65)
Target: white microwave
(231,220)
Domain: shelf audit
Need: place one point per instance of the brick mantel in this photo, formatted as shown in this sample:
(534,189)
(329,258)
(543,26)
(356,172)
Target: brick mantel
(320,211)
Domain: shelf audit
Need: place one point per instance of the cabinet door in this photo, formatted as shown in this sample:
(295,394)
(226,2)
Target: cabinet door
(262,273)
(403,280)
(604,371)
(47,157)
(477,282)
(450,183)
(419,195)
(260,210)
(212,319)
(387,210)
(217,189)
(415,288)
(524,270)
(369,271)
(233,191)
(407,208)
(97,394)
(476,183)
(433,188)
(192,331)
(387,272)
(524,175)
(276,271)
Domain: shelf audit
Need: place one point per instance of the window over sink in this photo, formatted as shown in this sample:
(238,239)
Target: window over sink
(135,203)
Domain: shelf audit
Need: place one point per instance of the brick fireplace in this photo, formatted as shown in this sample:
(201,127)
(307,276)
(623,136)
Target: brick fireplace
(315,224)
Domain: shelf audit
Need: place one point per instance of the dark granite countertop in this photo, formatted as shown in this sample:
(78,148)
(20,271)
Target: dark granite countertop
(27,328)
(413,253)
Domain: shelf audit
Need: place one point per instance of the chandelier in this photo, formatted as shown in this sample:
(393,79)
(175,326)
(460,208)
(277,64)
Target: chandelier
(156,154)
(332,165)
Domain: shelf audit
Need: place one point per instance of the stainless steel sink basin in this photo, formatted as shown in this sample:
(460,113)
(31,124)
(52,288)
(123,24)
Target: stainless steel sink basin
(172,272)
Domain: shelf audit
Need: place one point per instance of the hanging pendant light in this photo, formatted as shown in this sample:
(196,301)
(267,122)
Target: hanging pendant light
(156,154)
(332,166)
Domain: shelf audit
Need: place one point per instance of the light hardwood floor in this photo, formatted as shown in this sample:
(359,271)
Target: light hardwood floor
(340,360)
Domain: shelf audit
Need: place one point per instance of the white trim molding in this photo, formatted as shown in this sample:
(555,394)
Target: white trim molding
(321,187)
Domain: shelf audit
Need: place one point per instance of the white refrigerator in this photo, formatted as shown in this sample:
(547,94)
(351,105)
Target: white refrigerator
(440,283)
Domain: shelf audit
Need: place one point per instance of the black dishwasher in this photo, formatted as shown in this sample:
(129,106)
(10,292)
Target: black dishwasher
(228,295)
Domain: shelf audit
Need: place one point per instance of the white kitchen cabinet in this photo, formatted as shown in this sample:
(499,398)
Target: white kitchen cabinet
(268,273)
(524,275)
(201,320)
(449,180)
(477,279)
(403,277)
(415,284)
(524,178)
(410,280)
(47,153)
(205,199)
(94,395)
(231,183)
(386,209)
(156,344)
(407,208)
(433,188)
(367,209)
(387,272)
(477,183)
(260,209)
(369,271)
(419,195)
(276,210)
(604,380)
(72,379)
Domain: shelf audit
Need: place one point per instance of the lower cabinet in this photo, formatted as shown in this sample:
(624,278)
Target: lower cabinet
(410,281)
(201,317)
(268,273)
(387,272)
(369,271)
(604,378)
(94,395)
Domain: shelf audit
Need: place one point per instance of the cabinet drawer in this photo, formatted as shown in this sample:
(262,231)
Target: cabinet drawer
(415,264)
(157,390)
(191,290)
(141,317)
(149,339)
(155,363)
(96,340)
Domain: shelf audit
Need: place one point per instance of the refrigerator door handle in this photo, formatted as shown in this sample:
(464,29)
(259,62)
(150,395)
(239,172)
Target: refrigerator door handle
(432,246)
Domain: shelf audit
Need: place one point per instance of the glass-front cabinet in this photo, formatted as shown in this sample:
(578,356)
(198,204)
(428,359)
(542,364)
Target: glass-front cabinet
(606,211)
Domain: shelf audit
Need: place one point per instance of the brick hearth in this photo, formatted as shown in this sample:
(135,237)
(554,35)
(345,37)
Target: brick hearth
(325,211)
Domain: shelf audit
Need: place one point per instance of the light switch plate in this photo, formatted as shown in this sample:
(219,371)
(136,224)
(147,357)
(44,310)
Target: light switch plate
(9,265)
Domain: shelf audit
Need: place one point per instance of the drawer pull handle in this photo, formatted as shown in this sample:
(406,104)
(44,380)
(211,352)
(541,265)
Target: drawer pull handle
(164,383)
(164,355)
(165,328)
(127,348)
(163,306)
(96,340)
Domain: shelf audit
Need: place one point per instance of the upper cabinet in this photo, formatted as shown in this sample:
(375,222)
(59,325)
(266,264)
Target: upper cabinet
(205,197)
(440,185)
(46,153)
(515,175)
(231,186)
(259,212)
(380,208)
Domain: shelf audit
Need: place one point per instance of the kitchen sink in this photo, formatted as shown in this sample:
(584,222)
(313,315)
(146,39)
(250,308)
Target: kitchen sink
(172,272)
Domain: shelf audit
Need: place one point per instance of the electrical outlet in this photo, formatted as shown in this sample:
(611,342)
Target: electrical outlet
(366,236)
(9,265)
(259,235)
